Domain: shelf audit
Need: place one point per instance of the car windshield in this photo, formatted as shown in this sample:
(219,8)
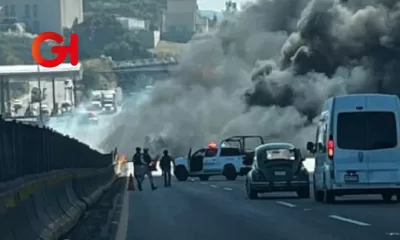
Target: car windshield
(273,154)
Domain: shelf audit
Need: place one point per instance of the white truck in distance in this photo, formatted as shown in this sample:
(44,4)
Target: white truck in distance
(231,158)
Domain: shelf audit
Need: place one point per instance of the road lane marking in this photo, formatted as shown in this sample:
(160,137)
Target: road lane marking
(392,234)
(348,220)
(286,204)
(227,189)
(203,183)
(213,186)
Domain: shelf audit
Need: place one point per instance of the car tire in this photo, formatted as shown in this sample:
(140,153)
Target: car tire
(329,196)
(230,172)
(397,197)
(251,194)
(318,195)
(181,173)
(387,197)
(204,177)
(303,192)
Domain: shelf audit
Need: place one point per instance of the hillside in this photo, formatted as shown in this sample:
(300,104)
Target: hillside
(142,9)
(210,14)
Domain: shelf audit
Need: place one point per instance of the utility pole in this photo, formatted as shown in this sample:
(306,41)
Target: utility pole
(40,97)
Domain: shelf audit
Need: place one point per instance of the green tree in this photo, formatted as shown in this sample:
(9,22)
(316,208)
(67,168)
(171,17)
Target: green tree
(95,33)
(8,56)
(150,10)
(103,34)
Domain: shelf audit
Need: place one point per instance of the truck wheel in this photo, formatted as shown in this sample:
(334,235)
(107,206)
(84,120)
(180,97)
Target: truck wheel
(387,197)
(251,194)
(181,173)
(329,196)
(303,192)
(318,195)
(397,197)
(204,177)
(230,172)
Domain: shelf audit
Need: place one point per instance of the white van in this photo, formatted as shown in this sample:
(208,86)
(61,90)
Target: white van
(356,147)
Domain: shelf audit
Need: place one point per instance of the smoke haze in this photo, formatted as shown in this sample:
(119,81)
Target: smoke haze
(312,49)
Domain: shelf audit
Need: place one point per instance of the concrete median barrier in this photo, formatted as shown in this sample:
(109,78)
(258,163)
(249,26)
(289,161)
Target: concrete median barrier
(47,206)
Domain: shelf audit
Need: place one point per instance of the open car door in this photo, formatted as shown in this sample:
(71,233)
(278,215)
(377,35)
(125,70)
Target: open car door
(246,144)
(195,160)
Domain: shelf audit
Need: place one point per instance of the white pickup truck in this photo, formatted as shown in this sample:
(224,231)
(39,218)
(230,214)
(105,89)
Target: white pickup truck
(230,158)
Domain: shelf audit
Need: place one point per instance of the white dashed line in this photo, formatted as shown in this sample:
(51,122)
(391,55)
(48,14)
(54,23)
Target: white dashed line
(348,220)
(213,186)
(286,204)
(203,183)
(227,189)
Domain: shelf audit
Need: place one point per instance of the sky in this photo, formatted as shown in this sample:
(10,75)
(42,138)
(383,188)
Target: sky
(217,5)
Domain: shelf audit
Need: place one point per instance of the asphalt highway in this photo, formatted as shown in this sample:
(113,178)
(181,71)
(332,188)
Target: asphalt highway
(218,209)
(60,95)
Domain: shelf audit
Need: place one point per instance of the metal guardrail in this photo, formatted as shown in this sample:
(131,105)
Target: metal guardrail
(47,181)
(26,149)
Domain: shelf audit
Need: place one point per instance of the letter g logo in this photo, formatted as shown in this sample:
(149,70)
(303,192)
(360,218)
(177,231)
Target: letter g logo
(61,51)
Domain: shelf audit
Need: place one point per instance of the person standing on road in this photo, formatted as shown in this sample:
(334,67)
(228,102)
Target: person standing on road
(146,168)
(137,165)
(165,164)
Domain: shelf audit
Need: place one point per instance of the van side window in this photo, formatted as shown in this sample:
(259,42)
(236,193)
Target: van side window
(316,140)
(211,152)
(324,138)
(230,152)
(321,134)
(199,153)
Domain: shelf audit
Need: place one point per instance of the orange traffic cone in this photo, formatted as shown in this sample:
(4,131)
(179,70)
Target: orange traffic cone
(131,185)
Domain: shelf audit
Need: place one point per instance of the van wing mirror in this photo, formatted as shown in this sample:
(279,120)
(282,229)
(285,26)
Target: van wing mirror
(320,146)
(189,153)
(310,147)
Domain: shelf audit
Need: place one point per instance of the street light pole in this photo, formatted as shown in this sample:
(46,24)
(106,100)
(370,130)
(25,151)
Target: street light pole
(40,96)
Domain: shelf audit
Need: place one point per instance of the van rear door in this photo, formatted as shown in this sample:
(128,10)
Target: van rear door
(366,140)
(349,161)
(382,150)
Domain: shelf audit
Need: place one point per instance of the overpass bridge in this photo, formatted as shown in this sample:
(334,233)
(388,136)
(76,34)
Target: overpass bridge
(140,72)
(169,64)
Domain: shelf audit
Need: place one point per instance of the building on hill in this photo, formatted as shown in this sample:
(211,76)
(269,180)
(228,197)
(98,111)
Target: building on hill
(180,20)
(44,15)
(133,23)
(181,15)
(146,37)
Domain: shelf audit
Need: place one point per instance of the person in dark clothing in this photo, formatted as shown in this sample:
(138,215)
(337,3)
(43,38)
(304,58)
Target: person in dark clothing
(137,164)
(165,164)
(146,168)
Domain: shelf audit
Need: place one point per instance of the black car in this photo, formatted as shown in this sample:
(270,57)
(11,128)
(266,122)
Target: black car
(277,167)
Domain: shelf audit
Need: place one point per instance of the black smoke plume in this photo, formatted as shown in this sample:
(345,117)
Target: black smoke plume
(310,50)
